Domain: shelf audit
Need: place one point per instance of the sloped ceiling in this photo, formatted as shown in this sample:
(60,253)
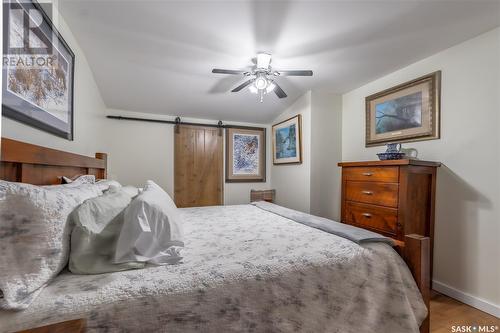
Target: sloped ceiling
(157,56)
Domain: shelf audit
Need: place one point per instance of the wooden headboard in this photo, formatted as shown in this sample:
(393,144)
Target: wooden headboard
(28,163)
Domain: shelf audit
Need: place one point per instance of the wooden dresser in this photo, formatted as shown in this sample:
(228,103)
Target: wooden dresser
(394,198)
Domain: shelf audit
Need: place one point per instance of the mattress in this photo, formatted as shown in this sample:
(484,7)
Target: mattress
(244,270)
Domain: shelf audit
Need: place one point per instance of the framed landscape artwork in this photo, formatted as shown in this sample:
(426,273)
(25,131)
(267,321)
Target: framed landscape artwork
(407,112)
(38,70)
(245,154)
(287,141)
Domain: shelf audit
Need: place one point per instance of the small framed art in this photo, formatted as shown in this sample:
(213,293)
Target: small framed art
(245,154)
(287,141)
(404,113)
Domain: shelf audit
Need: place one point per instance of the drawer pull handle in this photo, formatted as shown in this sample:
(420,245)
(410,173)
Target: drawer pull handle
(367,174)
(367,192)
(367,215)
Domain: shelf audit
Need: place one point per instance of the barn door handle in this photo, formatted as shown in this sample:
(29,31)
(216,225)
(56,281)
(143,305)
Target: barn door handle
(367,215)
(367,192)
(367,174)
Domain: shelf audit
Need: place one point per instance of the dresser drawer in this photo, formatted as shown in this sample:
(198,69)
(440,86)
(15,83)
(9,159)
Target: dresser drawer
(372,174)
(377,218)
(385,194)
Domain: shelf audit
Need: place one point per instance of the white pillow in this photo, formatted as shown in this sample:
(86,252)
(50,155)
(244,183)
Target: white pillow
(34,237)
(131,190)
(97,224)
(105,184)
(152,229)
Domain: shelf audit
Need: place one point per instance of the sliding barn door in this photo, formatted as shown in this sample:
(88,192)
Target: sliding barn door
(198,173)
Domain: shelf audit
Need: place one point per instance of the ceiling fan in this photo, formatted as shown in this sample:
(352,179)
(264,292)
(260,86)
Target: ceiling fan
(261,77)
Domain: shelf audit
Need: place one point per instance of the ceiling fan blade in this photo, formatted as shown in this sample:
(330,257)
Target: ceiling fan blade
(278,91)
(243,85)
(228,71)
(295,73)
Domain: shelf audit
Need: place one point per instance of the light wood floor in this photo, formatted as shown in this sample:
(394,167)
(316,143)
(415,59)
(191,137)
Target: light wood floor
(447,312)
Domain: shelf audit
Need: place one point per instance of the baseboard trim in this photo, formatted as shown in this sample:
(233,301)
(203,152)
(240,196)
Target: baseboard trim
(466,298)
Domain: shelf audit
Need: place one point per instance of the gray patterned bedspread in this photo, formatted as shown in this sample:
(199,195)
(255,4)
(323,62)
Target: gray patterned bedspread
(355,234)
(244,270)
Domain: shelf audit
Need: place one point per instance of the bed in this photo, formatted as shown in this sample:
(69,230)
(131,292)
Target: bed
(244,269)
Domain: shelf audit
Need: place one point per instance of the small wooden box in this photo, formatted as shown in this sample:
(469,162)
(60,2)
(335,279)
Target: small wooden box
(264,195)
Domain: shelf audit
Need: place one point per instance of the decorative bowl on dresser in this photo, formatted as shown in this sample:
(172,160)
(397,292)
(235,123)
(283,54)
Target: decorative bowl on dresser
(394,197)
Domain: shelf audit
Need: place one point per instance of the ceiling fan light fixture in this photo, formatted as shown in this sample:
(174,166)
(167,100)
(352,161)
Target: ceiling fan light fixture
(261,77)
(261,82)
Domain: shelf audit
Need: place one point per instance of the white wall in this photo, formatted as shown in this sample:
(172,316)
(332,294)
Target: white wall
(326,152)
(467,231)
(313,186)
(293,181)
(139,151)
(88,109)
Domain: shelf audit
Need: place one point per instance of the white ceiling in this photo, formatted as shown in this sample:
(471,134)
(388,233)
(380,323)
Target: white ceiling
(157,56)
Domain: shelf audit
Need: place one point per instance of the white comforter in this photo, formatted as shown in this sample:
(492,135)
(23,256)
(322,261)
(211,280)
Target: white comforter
(244,270)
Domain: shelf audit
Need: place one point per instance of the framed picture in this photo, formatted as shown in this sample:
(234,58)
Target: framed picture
(287,141)
(245,154)
(38,71)
(407,112)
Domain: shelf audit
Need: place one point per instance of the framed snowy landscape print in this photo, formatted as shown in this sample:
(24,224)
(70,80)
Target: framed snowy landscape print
(407,112)
(287,141)
(245,154)
(38,70)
